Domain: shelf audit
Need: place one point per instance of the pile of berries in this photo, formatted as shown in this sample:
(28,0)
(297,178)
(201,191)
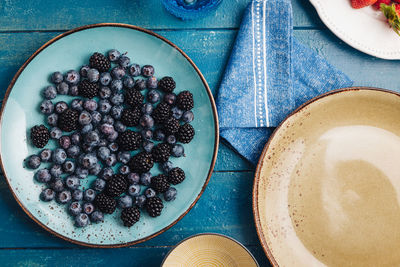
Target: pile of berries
(121,122)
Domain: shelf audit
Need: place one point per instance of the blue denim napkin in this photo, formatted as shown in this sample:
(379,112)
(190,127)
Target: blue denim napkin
(269,74)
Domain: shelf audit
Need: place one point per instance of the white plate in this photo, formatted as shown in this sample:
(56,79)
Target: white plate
(364,29)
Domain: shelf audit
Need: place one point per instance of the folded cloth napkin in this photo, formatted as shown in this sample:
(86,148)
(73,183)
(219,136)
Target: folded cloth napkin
(268,75)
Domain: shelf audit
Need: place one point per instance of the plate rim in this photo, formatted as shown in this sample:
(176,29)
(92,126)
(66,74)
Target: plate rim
(213,107)
(256,213)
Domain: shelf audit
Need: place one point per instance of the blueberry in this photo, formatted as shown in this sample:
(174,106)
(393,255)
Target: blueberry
(86,148)
(88,208)
(105,92)
(124,61)
(105,78)
(45,155)
(113,147)
(47,195)
(74,90)
(124,157)
(77,195)
(134,190)
(125,202)
(72,77)
(64,197)
(177,150)
(106,128)
(103,152)
(89,195)
(102,142)
(76,138)
(107,173)
(60,107)
(73,151)
(96,169)
(59,156)
(90,105)
(55,133)
(33,162)
(62,88)
(113,55)
(116,112)
(145,178)
(140,201)
(85,118)
(117,99)
(93,75)
(176,113)
(88,161)
(52,119)
(188,116)
(77,104)
(99,184)
(124,169)
(147,70)
(97,216)
(56,170)
(170,98)
(50,92)
(113,136)
(134,70)
(72,182)
(119,127)
(68,166)
(56,77)
(170,194)
(171,139)
(159,135)
(152,82)
(81,173)
(147,108)
(148,146)
(128,82)
(146,121)
(116,86)
(133,178)
(118,72)
(108,119)
(75,208)
(96,117)
(84,70)
(111,160)
(167,166)
(81,220)
(64,142)
(140,85)
(46,107)
(153,96)
(149,192)
(92,138)
(57,185)
(87,128)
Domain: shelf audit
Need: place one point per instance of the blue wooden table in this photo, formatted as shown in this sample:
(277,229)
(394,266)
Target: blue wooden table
(225,206)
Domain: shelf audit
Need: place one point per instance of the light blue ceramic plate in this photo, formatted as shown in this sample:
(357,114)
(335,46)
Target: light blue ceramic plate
(69,51)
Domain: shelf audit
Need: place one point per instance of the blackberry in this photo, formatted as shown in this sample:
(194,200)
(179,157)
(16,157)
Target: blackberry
(184,100)
(116,186)
(40,135)
(88,89)
(171,126)
(167,84)
(176,176)
(141,162)
(130,216)
(131,116)
(161,113)
(161,152)
(160,183)
(99,62)
(68,120)
(105,203)
(129,140)
(133,97)
(154,206)
(185,133)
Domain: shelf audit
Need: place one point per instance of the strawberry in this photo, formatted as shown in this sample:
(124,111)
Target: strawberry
(378,3)
(362,3)
(392,14)
(396,1)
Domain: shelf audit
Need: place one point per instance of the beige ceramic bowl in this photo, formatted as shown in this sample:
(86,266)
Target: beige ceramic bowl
(327,186)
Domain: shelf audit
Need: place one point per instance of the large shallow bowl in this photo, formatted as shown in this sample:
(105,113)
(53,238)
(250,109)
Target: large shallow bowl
(69,51)
(326,190)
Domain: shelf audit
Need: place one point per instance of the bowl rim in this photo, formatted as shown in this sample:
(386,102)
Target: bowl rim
(211,99)
(209,234)
(257,176)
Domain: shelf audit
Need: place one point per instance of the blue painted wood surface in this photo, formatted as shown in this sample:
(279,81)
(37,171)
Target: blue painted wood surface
(225,206)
